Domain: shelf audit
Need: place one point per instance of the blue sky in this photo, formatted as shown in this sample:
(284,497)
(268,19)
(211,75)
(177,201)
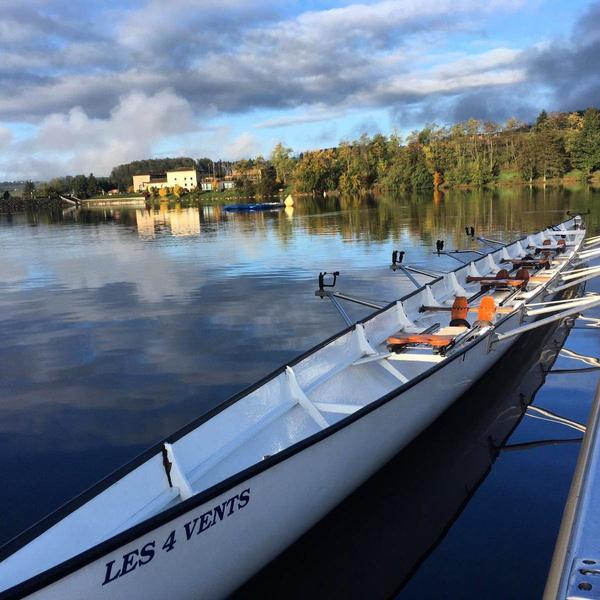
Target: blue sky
(87,85)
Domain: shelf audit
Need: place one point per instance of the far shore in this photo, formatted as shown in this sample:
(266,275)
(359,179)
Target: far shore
(17,204)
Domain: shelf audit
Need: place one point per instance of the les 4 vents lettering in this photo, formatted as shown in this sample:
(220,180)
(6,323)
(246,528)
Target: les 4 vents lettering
(142,556)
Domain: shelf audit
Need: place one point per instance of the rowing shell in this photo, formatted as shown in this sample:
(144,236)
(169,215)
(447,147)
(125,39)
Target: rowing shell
(196,515)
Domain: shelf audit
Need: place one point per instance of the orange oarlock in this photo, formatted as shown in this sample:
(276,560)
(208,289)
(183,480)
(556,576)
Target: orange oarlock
(487,309)
(460,307)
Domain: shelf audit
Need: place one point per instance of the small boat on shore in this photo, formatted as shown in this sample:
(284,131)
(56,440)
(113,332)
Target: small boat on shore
(197,514)
(253,207)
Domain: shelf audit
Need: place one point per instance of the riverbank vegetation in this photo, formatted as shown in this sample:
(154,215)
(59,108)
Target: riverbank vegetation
(558,147)
(469,154)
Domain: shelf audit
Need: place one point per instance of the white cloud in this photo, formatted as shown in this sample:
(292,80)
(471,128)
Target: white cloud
(73,142)
(97,94)
(243,146)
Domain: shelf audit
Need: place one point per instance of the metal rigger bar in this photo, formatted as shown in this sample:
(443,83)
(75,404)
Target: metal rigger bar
(452,253)
(574,310)
(431,274)
(489,242)
(591,242)
(585,254)
(398,257)
(410,276)
(574,280)
(333,296)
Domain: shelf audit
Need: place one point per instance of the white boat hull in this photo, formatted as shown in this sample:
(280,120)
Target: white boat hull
(283,501)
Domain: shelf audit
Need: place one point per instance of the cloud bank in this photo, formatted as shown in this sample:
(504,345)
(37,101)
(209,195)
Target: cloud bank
(95,84)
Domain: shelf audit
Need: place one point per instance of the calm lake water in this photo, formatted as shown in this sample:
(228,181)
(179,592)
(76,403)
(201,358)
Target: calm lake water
(119,326)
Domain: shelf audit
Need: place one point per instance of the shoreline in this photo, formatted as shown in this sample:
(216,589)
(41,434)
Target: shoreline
(19,205)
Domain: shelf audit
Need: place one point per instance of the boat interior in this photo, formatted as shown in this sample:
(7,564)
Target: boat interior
(366,362)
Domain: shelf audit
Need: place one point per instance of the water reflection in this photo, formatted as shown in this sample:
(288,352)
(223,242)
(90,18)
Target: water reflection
(179,221)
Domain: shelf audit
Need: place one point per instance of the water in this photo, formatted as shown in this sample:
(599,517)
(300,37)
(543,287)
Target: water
(118,327)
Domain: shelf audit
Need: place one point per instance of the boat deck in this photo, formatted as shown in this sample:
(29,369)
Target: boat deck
(351,372)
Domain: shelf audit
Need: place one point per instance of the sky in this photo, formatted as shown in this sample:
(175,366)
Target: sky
(86,85)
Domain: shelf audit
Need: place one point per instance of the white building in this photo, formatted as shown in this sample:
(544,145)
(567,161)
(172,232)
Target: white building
(185,177)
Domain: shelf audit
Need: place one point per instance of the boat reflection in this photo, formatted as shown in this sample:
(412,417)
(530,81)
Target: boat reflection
(369,546)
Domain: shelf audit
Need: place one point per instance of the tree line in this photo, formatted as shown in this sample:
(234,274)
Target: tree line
(472,153)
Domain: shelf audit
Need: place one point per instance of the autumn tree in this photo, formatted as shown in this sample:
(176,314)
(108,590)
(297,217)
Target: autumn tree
(317,171)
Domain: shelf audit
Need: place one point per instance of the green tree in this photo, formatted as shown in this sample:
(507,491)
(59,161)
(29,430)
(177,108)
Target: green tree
(586,149)
(29,190)
(267,184)
(317,171)
(549,150)
(283,162)
(526,157)
(542,118)
(79,186)
(420,177)
(92,185)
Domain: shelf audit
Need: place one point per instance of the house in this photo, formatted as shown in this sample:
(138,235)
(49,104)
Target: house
(253,174)
(185,177)
(217,184)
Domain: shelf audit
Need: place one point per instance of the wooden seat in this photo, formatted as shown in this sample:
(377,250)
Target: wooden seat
(436,341)
(502,283)
(541,263)
(502,279)
(442,338)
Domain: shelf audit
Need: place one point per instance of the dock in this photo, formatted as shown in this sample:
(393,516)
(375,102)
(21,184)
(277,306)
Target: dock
(575,568)
(104,202)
